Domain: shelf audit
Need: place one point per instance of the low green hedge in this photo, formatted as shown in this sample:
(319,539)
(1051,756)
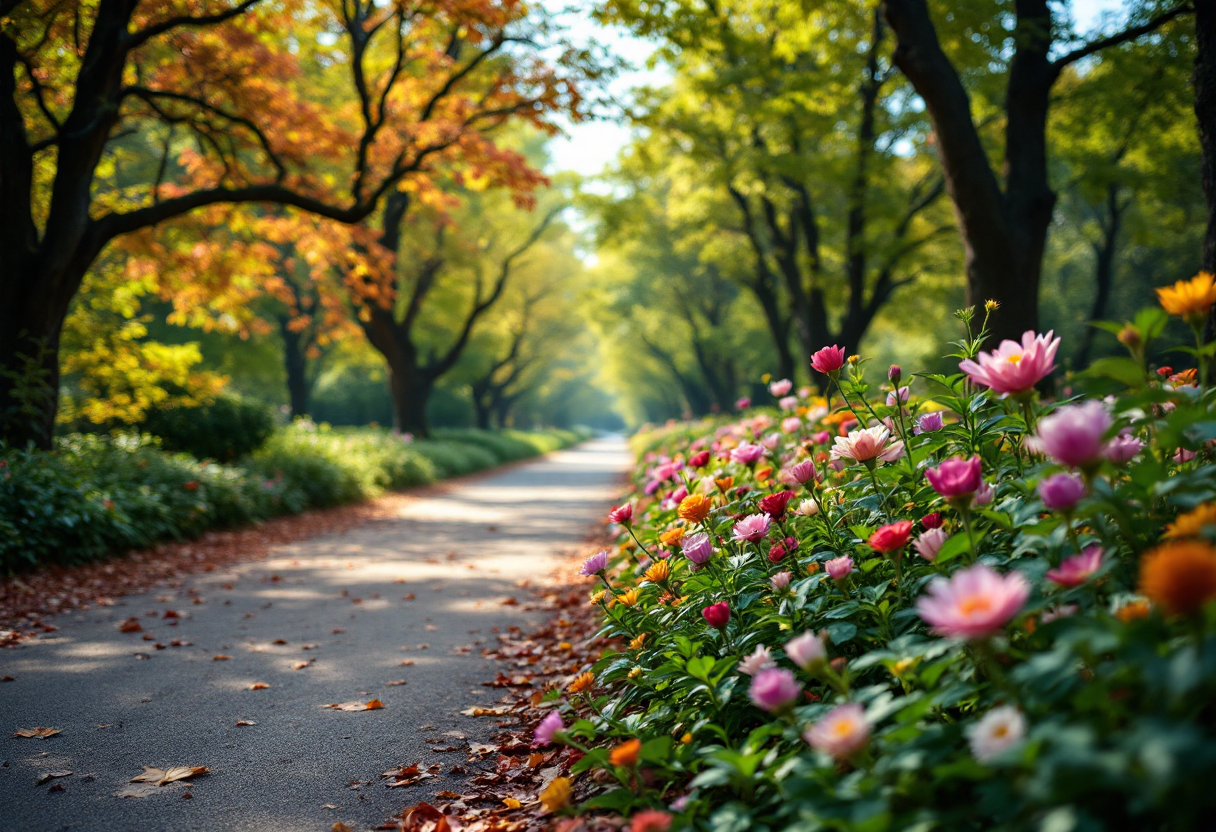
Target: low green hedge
(94,495)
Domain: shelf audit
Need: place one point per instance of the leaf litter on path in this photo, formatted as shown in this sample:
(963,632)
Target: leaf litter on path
(152,779)
(36,733)
(372,705)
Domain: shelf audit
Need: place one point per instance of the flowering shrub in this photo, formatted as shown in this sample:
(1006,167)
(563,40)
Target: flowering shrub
(959,607)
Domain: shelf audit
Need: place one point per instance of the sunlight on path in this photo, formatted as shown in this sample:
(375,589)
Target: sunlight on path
(330,620)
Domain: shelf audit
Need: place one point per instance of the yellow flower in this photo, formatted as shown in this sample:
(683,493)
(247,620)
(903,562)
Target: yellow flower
(628,598)
(991,306)
(597,597)
(694,508)
(672,536)
(1189,299)
(1179,576)
(511,803)
(634,672)
(658,572)
(903,667)
(556,795)
(1193,522)
(638,641)
(625,754)
(686,739)
(582,682)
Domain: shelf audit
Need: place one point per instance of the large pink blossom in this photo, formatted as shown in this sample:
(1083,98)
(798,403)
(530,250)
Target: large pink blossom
(867,444)
(956,477)
(974,603)
(747,453)
(1073,435)
(1012,367)
(781,388)
(752,528)
(828,360)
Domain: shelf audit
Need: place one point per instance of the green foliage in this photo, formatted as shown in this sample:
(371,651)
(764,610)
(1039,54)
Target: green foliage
(95,496)
(226,429)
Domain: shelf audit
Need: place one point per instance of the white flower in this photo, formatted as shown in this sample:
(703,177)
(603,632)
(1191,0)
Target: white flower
(807,650)
(759,660)
(999,730)
(807,508)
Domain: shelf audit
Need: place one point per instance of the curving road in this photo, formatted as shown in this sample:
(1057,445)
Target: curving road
(338,603)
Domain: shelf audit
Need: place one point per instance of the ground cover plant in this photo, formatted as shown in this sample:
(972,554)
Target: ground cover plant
(949,603)
(94,495)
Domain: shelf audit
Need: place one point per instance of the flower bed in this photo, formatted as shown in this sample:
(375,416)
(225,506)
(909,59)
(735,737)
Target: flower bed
(958,608)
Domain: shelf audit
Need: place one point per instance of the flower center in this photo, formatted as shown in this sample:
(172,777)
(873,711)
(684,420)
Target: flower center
(1015,359)
(843,728)
(974,604)
(1000,731)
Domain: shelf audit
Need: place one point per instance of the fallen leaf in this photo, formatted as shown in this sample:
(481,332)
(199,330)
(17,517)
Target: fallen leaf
(309,646)
(329,806)
(407,662)
(131,625)
(220,657)
(36,733)
(475,711)
(162,776)
(409,597)
(340,827)
(48,776)
(373,705)
(177,642)
(337,630)
(58,787)
(511,803)
(405,776)
(481,748)
(395,683)
(279,641)
(509,602)
(7,679)
(241,722)
(302,665)
(259,686)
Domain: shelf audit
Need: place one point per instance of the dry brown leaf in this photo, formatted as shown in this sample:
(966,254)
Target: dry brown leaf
(131,625)
(220,657)
(309,646)
(7,679)
(279,641)
(162,776)
(259,686)
(329,806)
(481,748)
(302,665)
(36,733)
(241,722)
(373,705)
(340,827)
(395,683)
(48,776)
(475,711)
(407,662)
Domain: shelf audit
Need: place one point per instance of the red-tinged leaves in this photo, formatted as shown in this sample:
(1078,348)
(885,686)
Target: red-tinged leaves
(131,625)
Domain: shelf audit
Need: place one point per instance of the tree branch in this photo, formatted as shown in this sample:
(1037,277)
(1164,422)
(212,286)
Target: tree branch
(137,39)
(1130,33)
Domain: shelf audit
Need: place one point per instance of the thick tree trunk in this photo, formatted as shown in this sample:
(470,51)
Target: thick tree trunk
(1204,81)
(29,376)
(411,392)
(299,385)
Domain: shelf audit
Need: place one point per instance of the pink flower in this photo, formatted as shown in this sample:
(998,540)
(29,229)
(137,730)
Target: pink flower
(621,514)
(781,581)
(894,373)
(823,437)
(1062,611)
(828,360)
(697,548)
(717,615)
(929,423)
(838,569)
(781,388)
(932,521)
(1182,455)
(891,537)
(595,564)
(1123,448)
(842,733)
(752,528)
(1073,435)
(774,689)
(930,542)
(1060,492)
(747,453)
(903,392)
(974,603)
(867,444)
(791,424)
(775,505)
(788,403)
(1000,729)
(801,472)
(760,659)
(652,820)
(699,460)
(1014,368)
(807,650)
(1076,570)
(549,726)
(743,403)
(956,478)
(984,496)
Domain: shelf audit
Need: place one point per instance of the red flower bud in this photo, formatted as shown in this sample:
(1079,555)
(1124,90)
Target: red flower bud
(716,615)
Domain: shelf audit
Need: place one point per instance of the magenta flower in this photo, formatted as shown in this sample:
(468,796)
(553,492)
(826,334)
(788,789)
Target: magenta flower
(1182,456)
(957,478)
(840,568)
(842,733)
(697,548)
(595,564)
(747,453)
(1012,367)
(823,437)
(903,393)
(807,650)
(867,444)
(974,603)
(549,726)
(621,514)
(801,472)
(760,659)
(1060,492)
(716,615)
(752,528)
(774,689)
(828,360)
(781,388)
(1076,570)
(929,423)
(743,403)
(984,496)
(929,543)
(1123,448)
(1073,435)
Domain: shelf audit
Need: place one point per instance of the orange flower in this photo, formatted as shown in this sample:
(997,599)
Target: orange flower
(638,641)
(556,795)
(694,508)
(764,473)
(582,682)
(1185,378)
(1193,522)
(1132,610)
(1179,576)
(1189,299)
(625,754)
(628,598)
(724,483)
(658,572)
(672,536)
(597,597)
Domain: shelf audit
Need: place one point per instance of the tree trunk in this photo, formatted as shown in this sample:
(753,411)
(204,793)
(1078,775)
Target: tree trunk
(411,392)
(299,386)
(1204,81)
(1104,271)
(29,376)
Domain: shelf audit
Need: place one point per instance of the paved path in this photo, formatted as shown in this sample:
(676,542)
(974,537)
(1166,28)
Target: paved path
(123,704)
